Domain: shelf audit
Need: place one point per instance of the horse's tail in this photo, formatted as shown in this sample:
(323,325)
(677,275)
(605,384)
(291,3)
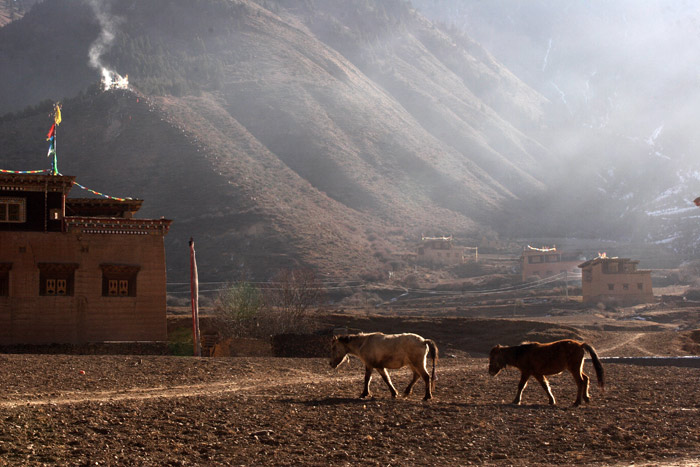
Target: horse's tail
(596,364)
(433,352)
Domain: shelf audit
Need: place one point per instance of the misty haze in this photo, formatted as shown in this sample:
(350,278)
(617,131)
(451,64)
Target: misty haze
(476,172)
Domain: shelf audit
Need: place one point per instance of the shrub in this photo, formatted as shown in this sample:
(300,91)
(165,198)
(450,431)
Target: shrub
(281,306)
(180,342)
(238,307)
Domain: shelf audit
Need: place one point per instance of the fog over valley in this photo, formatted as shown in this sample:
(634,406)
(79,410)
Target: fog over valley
(335,133)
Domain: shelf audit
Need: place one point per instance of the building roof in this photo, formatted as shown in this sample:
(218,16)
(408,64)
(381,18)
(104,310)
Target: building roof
(91,207)
(88,215)
(600,259)
(36,182)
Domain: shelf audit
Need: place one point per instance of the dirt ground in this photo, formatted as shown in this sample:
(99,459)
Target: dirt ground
(166,410)
(263,411)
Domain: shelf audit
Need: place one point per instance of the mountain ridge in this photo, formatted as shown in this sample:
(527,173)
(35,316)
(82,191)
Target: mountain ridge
(284,134)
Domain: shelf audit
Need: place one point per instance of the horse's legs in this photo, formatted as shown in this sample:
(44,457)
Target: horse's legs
(545,385)
(521,386)
(387,380)
(426,379)
(586,379)
(368,379)
(581,381)
(419,371)
(409,388)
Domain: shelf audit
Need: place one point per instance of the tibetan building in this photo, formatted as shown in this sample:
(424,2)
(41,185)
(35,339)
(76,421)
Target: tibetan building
(538,263)
(77,271)
(439,250)
(615,280)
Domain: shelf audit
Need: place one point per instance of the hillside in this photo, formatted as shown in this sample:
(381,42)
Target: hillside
(11,10)
(622,85)
(330,134)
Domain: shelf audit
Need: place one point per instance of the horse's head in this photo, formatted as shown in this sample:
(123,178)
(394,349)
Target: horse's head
(496,361)
(339,351)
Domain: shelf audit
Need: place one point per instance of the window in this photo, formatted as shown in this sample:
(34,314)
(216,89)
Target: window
(119,280)
(610,267)
(552,258)
(12,210)
(640,286)
(625,286)
(56,279)
(534,259)
(611,286)
(5,279)
(588,275)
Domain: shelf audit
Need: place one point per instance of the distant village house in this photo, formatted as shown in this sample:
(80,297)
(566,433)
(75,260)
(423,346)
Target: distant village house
(77,270)
(615,280)
(441,250)
(538,263)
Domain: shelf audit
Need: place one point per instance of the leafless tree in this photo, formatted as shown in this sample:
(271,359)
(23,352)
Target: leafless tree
(292,294)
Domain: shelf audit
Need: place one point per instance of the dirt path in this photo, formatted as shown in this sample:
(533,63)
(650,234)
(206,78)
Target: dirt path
(626,342)
(259,382)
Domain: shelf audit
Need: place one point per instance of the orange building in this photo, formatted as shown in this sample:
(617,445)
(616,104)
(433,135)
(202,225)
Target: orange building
(538,263)
(615,280)
(77,270)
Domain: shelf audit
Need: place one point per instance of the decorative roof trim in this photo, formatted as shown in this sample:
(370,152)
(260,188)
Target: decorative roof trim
(118,226)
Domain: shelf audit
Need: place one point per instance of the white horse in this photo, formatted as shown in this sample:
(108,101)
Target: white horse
(381,351)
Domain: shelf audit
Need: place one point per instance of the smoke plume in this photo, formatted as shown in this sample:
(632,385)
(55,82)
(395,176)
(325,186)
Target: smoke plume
(108,27)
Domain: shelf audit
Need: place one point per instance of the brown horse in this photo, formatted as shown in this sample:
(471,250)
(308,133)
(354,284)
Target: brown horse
(541,360)
(381,351)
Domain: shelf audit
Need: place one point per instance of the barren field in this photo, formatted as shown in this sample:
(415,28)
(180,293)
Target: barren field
(162,410)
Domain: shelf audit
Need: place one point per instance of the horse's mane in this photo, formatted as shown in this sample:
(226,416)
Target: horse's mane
(346,338)
(523,348)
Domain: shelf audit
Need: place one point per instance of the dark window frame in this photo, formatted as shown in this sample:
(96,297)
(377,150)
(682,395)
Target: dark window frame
(112,272)
(54,274)
(6,204)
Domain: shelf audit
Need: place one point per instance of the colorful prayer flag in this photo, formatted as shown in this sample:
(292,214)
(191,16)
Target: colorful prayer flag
(52,133)
(52,148)
(57,116)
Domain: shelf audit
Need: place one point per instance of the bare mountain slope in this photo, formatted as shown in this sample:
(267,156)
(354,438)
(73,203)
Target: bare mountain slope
(329,134)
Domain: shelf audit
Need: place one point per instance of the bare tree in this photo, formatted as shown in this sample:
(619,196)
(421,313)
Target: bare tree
(292,293)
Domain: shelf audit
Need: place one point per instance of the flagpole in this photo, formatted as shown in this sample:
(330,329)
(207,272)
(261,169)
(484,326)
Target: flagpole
(194,293)
(57,121)
(54,168)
